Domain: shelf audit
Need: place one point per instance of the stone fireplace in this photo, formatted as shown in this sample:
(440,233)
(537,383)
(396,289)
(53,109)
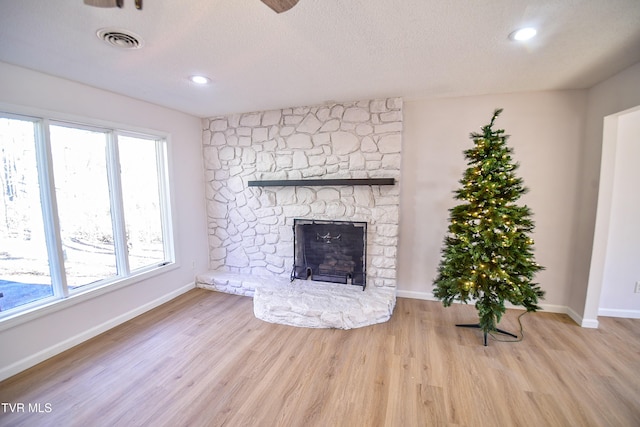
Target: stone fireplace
(251,228)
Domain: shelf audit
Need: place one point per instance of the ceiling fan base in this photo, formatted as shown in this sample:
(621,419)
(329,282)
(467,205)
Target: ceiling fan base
(111,3)
(280,6)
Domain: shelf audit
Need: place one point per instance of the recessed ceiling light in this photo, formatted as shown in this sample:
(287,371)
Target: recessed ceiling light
(200,80)
(523,34)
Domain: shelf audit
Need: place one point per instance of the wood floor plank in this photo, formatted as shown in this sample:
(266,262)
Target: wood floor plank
(203,359)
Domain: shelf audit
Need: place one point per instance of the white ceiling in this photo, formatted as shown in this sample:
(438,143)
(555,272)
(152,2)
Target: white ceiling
(323,50)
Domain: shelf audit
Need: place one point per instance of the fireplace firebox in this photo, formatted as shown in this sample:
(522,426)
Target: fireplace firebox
(330,251)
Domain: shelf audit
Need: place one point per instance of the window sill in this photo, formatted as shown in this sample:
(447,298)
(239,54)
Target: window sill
(48,306)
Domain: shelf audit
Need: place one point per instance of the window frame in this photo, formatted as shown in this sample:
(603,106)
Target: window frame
(63,297)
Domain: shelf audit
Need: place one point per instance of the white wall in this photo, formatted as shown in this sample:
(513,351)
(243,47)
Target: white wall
(618,93)
(27,343)
(546,131)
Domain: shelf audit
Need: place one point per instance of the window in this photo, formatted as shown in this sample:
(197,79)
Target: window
(81,207)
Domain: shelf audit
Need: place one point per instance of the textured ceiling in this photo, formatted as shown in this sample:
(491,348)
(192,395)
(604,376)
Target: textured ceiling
(323,50)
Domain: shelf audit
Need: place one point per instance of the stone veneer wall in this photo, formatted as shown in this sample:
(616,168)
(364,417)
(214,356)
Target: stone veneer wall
(250,228)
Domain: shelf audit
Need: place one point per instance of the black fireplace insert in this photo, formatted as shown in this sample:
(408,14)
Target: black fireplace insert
(330,251)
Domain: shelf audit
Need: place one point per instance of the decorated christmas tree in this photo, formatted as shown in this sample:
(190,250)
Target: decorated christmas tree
(488,252)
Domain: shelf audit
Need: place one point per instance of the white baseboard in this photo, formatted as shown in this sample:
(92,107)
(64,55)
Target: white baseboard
(551,308)
(47,353)
(613,312)
(585,323)
(415,295)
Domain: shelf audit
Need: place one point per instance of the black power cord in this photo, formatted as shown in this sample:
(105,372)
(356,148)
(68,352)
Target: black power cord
(521,333)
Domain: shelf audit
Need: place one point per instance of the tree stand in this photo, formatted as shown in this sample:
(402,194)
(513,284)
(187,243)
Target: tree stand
(477,326)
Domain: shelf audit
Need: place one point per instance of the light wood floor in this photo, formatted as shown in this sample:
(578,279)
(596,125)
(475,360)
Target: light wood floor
(204,360)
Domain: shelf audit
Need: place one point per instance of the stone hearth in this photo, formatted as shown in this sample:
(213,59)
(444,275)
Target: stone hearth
(306,303)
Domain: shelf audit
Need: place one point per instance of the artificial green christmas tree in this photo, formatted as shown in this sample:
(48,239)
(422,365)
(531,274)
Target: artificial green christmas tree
(488,252)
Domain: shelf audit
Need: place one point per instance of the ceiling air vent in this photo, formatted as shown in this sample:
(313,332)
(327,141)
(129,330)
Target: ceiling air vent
(120,38)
